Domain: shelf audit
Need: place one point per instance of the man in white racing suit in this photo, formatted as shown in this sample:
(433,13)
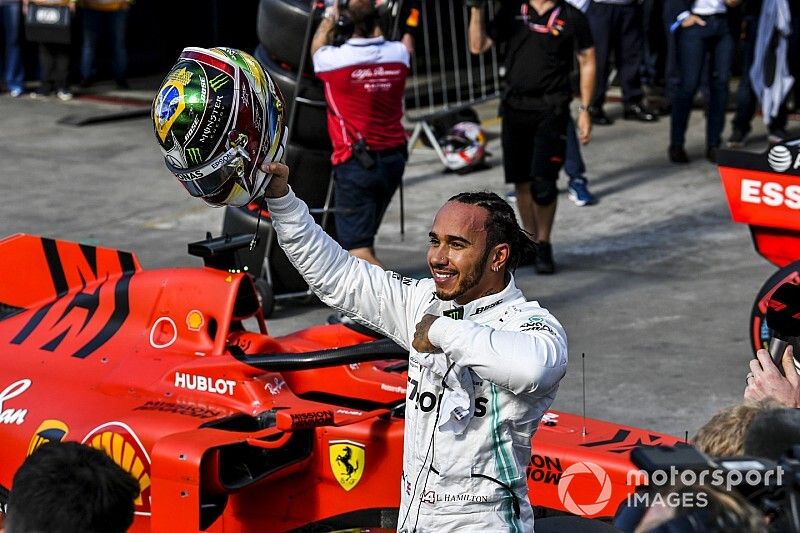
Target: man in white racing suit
(484,363)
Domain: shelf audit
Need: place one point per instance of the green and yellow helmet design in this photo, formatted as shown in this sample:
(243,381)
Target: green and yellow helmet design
(217,116)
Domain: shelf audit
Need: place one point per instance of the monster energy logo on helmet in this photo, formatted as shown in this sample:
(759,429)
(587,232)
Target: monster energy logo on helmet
(216,116)
(217,82)
(193,155)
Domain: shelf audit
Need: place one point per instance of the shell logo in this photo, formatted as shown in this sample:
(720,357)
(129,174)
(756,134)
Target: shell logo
(118,441)
(581,470)
(779,158)
(194,320)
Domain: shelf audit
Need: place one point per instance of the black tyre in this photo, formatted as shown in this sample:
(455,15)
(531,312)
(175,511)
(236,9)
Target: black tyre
(3,501)
(310,126)
(281,27)
(285,278)
(310,173)
(759,330)
(266,296)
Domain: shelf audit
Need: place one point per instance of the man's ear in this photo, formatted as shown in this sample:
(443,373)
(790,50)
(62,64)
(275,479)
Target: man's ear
(501,254)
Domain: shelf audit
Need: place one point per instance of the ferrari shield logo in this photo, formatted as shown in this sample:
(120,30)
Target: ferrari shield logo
(347,462)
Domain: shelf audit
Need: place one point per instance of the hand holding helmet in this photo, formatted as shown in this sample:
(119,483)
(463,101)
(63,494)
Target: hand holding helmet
(279,184)
(218,119)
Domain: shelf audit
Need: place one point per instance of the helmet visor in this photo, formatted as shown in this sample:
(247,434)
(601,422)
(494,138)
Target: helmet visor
(207,180)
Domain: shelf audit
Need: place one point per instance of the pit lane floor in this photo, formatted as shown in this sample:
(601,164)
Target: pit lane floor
(654,284)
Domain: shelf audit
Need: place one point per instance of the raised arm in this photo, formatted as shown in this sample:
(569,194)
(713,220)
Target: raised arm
(375,297)
(479,41)
(324,34)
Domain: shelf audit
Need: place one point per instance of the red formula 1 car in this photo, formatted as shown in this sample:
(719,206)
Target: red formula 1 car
(763,191)
(227,429)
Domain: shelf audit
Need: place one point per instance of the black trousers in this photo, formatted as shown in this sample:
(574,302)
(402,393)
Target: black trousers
(54,66)
(617,28)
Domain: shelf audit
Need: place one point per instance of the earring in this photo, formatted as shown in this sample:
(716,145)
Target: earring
(495,268)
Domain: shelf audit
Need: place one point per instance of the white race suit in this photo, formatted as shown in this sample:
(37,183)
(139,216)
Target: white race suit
(514,353)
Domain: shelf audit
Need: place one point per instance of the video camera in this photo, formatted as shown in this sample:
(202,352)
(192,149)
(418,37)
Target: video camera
(387,12)
(773,488)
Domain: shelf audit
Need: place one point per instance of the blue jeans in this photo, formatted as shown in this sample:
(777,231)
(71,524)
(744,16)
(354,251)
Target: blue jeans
(694,43)
(573,162)
(13,73)
(94,24)
(362,196)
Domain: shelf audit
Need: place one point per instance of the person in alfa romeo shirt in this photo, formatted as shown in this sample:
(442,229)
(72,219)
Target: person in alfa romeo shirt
(484,362)
(365,81)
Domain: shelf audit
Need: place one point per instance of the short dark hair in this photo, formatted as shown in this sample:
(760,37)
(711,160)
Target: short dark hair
(501,226)
(772,433)
(65,487)
(364,15)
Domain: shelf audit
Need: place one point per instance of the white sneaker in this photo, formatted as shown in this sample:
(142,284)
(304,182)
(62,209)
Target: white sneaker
(15,93)
(64,95)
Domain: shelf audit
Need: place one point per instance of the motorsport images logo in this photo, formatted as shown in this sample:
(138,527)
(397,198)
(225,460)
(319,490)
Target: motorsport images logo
(585,488)
(587,483)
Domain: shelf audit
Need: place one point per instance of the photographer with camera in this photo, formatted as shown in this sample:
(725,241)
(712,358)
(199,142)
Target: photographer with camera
(724,434)
(772,433)
(716,511)
(365,81)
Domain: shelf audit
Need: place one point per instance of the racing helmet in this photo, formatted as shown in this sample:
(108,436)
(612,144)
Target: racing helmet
(217,116)
(464,146)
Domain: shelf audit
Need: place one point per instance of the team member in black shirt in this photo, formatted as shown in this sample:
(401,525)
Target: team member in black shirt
(541,37)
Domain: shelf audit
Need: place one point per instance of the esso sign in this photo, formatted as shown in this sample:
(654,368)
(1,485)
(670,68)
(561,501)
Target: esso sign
(760,198)
(770,193)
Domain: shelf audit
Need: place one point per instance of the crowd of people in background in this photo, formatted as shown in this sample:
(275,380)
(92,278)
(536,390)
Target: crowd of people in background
(668,49)
(81,25)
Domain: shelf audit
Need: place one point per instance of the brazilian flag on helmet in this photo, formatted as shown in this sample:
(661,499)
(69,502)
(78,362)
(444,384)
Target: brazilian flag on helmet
(217,117)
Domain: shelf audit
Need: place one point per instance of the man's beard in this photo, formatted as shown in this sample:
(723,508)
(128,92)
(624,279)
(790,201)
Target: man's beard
(470,279)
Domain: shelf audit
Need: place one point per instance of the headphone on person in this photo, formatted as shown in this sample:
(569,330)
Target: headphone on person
(343,26)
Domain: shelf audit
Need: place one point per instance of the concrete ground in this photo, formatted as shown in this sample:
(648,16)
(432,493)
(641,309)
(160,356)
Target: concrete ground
(654,284)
